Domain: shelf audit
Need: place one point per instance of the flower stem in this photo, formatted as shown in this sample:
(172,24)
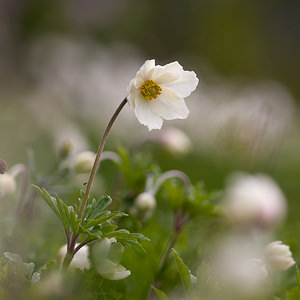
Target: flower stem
(98,156)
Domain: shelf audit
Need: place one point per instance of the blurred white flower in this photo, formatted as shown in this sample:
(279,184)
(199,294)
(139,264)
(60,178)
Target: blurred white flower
(68,139)
(107,255)
(254,200)
(80,260)
(278,256)
(157,93)
(83,161)
(7,185)
(237,266)
(145,201)
(174,140)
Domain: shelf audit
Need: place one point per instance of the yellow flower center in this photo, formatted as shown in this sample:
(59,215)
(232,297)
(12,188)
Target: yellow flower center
(150,90)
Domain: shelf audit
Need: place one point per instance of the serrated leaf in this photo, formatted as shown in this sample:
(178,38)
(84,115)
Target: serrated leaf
(97,208)
(136,246)
(183,270)
(106,229)
(94,222)
(160,294)
(49,200)
(64,212)
(105,216)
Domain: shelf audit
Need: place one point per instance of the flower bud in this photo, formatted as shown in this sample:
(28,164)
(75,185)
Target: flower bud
(278,256)
(107,255)
(174,140)
(80,260)
(145,201)
(254,200)
(7,185)
(83,162)
(65,149)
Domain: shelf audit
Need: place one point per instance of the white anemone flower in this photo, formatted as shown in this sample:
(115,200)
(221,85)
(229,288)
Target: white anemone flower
(278,256)
(157,93)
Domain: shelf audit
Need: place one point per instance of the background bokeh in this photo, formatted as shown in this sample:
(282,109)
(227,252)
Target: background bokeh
(65,66)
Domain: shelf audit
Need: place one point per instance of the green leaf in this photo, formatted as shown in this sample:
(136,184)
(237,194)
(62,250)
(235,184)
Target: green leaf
(298,276)
(97,207)
(73,221)
(135,245)
(105,216)
(64,213)
(161,295)
(106,229)
(51,201)
(184,272)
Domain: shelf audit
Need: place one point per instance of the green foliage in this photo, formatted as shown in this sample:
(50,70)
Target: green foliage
(184,272)
(96,222)
(298,276)
(200,202)
(161,295)
(12,268)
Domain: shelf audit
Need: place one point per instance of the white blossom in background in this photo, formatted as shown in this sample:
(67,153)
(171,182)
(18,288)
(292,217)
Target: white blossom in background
(237,262)
(157,93)
(7,185)
(107,255)
(174,140)
(83,161)
(68,139)
(145,201)
(144,205)
(80,260)
(278,256)
(254,200)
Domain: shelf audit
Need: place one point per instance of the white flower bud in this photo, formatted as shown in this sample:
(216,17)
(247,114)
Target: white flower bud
(80,260)
(278,256)
(174,140)
(83,162)
(7,185)
(145,201)
(66,148)
(107,255)
(254,200)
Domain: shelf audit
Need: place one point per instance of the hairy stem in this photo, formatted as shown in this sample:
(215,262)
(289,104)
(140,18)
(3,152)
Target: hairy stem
(98,156)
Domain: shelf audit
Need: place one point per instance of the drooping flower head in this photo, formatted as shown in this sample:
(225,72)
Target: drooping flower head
(157,93)
(278,256)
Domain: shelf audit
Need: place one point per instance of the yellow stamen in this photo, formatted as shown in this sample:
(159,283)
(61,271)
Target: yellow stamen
(150,90)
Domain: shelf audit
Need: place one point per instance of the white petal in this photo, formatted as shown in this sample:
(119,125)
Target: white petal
(143,73)
(169,106)
(166,74)
(184,85)
(145,115)
(112,271)
(132,94)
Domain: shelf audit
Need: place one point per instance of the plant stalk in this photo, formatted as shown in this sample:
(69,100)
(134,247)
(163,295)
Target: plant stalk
(98,156)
